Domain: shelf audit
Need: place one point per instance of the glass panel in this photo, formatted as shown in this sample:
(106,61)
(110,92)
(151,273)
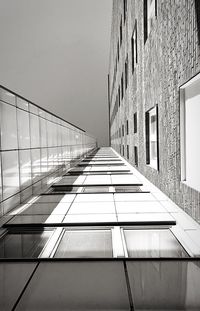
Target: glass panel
(96,189)
(23,244)
(25,168)
(85,244)
(127,189)
(76,286)
(23,128)
(165,285)
(35,135)
(6,96)
(35,156)
(21,103)
(10,173)
(13,278)
(8,127)
(153,243)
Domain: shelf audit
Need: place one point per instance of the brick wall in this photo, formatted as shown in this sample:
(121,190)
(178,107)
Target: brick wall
(168,59)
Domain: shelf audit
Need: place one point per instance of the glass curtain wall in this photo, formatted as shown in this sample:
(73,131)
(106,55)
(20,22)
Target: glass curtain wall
(35,147)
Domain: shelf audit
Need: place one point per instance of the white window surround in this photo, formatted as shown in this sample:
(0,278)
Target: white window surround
(189,130)
(152,138)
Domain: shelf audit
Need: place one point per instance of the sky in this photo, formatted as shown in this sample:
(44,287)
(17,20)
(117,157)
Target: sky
(56,53)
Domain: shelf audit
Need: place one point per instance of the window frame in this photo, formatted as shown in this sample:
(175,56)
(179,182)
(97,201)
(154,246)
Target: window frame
(148,136)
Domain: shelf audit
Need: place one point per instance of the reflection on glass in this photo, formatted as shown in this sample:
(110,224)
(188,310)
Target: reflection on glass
(23,244)
(84,244)
(165,285)
(153,243)
(95,189)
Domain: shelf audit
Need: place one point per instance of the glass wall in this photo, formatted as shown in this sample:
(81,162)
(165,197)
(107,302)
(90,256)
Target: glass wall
(35,146)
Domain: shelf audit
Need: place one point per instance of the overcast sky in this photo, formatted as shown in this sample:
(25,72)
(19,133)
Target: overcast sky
(55,53)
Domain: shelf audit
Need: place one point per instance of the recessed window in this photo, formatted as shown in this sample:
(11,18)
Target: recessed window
(126,72)
(118,50)
(134,47)
(136,155)
(123,130)
(135,122)
(123,150)
(150,12)
(125,10)
(119,99)
(190,129)
(120,32)
(127,127)
(122,87)
(152,137)
(127,151)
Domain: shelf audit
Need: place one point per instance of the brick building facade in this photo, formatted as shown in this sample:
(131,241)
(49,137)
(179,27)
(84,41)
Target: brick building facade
(154,52)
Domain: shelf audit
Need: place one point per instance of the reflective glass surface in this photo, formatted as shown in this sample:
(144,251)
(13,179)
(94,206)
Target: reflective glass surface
(23,244)
(152,243)
(165,285)
(76,286)
(85,243)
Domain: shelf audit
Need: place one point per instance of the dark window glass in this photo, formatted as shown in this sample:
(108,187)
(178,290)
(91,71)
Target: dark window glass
(135,122)
(125,10)
(127,149)
(122,87)
(126,73)
(23,244)
(123,150)
(122,129)
(127,128)
(120,32)
(136,155)
(85,244)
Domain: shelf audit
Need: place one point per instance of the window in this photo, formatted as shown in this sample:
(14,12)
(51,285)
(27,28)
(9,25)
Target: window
(122,87)
(118,50)
(152,137)
(190,128)
(119,102)
(126,72)
(119,132)
(123,130)
(23,243)
(100,189)
(123,150)
(135,122)
(127,128)
(152,243)
(150,11)
(134,47)
(127,189)
(85,243)
(136,155)
(125,10)
(120,32)
(127,151)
